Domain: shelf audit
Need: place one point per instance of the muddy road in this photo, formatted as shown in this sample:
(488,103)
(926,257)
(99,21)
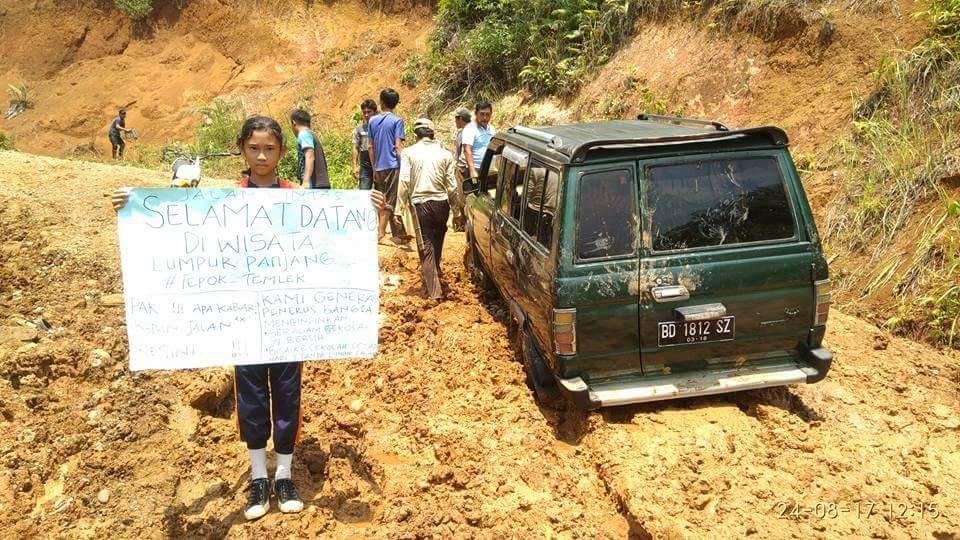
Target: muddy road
(437,436)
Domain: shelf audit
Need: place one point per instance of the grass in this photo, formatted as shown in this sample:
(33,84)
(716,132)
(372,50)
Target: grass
(20,95)
(7,141)
(135,9)
(902,150)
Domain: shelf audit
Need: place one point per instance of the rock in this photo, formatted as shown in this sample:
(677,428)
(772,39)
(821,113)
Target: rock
(98,357)
(18,334)
(103,495)
(207,393)
(356,405)
(111,300)
(941,411)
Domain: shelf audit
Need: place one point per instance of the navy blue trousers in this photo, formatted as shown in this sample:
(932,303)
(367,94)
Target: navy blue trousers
(268,396)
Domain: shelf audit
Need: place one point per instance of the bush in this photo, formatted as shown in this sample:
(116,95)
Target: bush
(20,95)
(220,123)
(135,9)
(7,141)
(547,46)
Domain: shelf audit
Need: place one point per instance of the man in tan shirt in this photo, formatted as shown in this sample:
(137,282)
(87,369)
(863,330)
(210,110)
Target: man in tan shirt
(426,194)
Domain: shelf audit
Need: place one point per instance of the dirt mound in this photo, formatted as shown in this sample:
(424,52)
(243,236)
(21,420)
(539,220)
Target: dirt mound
(437,436)
(270,55)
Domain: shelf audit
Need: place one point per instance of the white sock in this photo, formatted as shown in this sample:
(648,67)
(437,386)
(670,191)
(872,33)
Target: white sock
(258,463)
(284,464)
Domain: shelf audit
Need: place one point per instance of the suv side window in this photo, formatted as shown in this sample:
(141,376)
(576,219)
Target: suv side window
(606,211)
(490,171)
(541,204)
(514,171)
(534,202)
(551,192)
(717,202)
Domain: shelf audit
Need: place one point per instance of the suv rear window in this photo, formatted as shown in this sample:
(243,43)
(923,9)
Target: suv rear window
(716,203)
(606,215)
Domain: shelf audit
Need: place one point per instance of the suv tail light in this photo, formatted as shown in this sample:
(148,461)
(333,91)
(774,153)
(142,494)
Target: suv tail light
(565,331)
(822,291)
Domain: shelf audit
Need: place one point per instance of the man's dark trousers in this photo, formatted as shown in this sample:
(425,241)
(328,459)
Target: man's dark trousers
(432,219)
(257,388)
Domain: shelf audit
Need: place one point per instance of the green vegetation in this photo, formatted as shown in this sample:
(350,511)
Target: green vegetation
(903,150)
(20,95)
(7,141)
(412,70)
(135,9)
(483,47)
(549,47)
(634,94)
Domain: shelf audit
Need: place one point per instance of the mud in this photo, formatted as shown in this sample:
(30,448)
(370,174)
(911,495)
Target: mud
(437,436)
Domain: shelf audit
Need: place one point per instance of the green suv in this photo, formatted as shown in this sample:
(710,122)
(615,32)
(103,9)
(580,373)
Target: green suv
(651,259)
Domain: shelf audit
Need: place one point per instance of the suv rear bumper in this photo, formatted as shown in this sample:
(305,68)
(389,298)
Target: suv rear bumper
(812,367)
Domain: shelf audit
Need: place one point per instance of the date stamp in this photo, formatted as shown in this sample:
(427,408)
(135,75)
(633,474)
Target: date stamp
(892,511)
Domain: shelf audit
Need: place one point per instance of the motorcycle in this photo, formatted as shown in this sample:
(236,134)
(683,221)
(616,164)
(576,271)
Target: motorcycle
(187,170)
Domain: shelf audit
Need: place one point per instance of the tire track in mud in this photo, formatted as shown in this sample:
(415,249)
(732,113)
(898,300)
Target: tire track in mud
(856,455)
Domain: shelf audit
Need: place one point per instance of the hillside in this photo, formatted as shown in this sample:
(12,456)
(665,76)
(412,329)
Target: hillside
(271,55)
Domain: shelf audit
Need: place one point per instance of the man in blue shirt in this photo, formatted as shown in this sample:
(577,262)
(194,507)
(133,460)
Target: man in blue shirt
(386,142)
(476,136)
(118,126)
(311,161)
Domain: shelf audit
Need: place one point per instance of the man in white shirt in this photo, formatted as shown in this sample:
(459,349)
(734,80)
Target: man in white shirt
(476,136)
(426,194)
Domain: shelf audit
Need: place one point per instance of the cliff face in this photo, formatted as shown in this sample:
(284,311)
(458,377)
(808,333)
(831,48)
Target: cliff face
(86,60)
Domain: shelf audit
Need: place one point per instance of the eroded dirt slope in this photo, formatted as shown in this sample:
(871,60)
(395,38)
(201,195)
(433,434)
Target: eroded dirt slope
(85,59)
(437,436)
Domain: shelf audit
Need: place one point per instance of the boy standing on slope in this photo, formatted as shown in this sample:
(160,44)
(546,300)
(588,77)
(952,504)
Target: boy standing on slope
(362,167)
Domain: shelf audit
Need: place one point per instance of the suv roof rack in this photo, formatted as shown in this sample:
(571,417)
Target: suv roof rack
(676,120)
(550,140)
(576,143)
(579,151)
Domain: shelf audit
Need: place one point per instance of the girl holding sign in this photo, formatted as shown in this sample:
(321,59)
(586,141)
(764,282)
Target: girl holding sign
(267,395)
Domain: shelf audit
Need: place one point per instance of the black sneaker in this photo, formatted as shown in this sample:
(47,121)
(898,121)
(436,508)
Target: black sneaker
(259,500)
(287,495)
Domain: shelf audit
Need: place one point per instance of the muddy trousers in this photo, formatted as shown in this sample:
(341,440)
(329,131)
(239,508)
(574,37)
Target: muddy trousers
(432,219)
(268,396)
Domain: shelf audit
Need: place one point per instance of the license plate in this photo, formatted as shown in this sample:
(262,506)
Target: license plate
(686,333)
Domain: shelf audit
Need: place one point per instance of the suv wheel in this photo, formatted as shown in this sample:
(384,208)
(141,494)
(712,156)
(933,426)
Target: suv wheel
(539,375)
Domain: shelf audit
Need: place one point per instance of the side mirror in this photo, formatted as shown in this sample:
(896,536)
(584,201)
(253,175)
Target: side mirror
(470,187)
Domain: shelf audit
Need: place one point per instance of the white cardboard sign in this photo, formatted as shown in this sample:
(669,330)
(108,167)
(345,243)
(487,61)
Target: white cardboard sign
(216,277)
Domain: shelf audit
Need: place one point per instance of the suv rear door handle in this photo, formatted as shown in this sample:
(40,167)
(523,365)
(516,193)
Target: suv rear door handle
(670,293)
